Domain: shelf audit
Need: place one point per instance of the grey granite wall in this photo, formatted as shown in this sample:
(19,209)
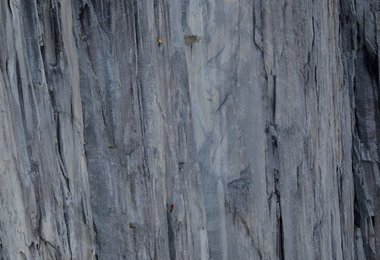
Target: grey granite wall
(189,129)
(361,41)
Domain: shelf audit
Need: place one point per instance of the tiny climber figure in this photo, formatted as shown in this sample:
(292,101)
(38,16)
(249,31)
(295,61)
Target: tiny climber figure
(159,41)
(171,207)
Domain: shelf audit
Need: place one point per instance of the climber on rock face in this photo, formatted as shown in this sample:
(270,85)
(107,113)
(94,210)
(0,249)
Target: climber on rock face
(171,207)
(159,41)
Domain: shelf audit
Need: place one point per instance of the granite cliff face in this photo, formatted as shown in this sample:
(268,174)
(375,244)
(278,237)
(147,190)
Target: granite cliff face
(249,132)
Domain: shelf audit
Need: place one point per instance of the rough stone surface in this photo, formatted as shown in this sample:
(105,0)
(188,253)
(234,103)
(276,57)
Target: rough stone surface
(189,129)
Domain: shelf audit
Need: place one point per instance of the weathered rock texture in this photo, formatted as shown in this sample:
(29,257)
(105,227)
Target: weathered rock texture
(251,132)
